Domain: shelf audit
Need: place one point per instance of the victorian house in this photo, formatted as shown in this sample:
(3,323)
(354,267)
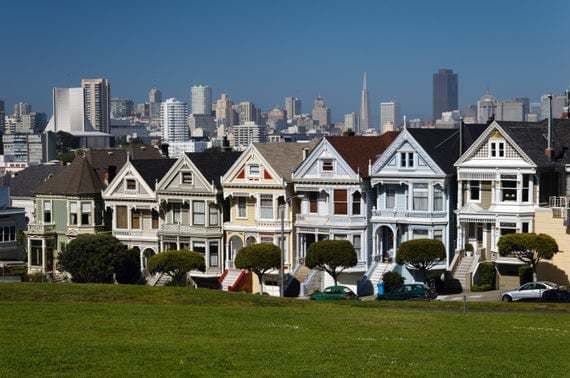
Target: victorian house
(333,186)
(262,201)
(192,207)
(68,203)
(132,201)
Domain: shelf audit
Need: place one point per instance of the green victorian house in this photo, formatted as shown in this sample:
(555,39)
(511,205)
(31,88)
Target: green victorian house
(67,203)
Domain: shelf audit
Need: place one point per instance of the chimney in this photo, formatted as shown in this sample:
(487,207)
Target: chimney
(460,136)
(305,152)
(549,152)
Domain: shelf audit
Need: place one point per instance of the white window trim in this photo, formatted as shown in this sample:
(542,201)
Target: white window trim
(237,208)
(182,180)
(249,175)
(333,163)
(443,201)
(496,142)
(136,189)
(469,192)
(407,152)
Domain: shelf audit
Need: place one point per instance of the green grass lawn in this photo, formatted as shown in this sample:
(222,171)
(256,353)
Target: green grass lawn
(107,330)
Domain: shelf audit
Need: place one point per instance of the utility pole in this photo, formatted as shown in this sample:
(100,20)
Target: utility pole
(282,246)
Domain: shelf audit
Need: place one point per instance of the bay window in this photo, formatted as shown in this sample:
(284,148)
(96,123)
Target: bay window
(526,188)
(340,201)
(214,249)
(420,197)
(474,190)
(437,198)
(121,217)
(356,197)
(47,211)
(73,213)
(213,218)
(266,206)
(136,219)
(198,213)
(86,213)
(241,207)
(313,202)
(508,188)
(390,197)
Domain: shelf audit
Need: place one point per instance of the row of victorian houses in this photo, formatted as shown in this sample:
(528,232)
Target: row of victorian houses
(468,185)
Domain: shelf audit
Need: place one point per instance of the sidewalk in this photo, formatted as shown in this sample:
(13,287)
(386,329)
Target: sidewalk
(485,296)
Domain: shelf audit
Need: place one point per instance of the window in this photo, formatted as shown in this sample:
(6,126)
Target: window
(266,206)
(526,188)
(508,228)
(131,184)
(7,234)
(73,216)
(86,213)
(121,217)
(135,219)
(198,212)
(242,207)
(340,237)
(437,198)
(213,220)
(327,165)
(313,202)
(419,234)
(154,216)
(420,199)
(176,212)
(390,197)
(187,178)
(525,227)
(438,235)
(340,201)
(199,246)
(474,190)
(214,253)
(407,159)
(47,211)
(497,149)
(357,244)
(509,188)
(253,170)
(356,197)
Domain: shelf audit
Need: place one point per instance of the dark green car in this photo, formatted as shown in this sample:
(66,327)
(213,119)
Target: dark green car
(333,293)
(415,291)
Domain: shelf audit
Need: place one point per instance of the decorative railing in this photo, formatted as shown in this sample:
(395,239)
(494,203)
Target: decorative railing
(135,233)
(179,229)
(330,219)
(272,224)
(39,228)
(401,213)
(560,207)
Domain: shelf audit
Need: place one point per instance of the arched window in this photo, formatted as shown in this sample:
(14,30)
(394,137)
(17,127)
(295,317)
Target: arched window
(356,199)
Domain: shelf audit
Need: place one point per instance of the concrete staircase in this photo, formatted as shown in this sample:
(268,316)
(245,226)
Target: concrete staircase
(312,282)
(230,278)
(462,272)
(159,279)
(377,274)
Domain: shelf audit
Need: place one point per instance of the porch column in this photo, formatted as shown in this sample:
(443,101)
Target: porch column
(141,259)
(161,245)
(395,242)
(178,242)
(519,187)
(460,195)
(129,209)
(44,265)
(114,217)
(29,241)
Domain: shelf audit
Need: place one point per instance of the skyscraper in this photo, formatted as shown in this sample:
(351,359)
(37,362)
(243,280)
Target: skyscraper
(247,112)
(121,108)
(292,107)
(174,116)
(224,112)
(201,99)
(2,116)
(351,121)
(389,115)
(445,92)
(321,113)
(364,111)
(20,109)
(276,119)
(154,101)
(97,103)
(486,108)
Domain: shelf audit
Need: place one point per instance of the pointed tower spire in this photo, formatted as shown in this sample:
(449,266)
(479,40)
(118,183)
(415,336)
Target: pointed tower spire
(364,82)
(364,123)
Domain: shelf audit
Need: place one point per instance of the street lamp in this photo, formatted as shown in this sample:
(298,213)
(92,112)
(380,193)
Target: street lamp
(282,244)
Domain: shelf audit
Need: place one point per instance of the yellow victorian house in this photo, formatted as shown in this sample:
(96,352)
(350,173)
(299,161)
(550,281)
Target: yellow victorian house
(259,188)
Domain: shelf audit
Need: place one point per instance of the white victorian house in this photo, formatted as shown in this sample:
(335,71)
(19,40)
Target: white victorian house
(132,198)
(334,189)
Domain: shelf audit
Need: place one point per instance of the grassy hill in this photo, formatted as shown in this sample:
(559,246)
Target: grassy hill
(132,330)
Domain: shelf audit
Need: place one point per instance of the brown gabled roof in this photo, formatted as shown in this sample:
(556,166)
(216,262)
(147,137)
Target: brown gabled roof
(76,179)
(359,151)
(284,157)
(103,158)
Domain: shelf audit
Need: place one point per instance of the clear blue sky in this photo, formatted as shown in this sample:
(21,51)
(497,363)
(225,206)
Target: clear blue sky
(264,50)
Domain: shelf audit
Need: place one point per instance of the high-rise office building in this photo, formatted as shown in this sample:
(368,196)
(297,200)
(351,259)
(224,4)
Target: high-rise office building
(2,116)
(276,119)
(445,92)
(351,122)
(321,113)
(248,133)
(224,111)
(201,99)
(174,115)
(292,107)
(389,115)
(510,111)
(97,103)
(364,123)
(247,112)
(558,105)
(20,109)
(525,101)
(486,108)
(154,101)
(31,123)
(121,108)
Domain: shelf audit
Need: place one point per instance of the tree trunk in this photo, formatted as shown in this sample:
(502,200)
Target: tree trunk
(260,276)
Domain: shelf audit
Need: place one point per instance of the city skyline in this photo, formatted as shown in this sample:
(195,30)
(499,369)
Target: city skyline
(59,60)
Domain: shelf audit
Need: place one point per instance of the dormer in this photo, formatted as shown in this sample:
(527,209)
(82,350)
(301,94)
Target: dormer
(497,145)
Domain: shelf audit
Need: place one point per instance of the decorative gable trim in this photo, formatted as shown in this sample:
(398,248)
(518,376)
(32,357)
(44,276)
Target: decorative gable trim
(126,170)
(389,154)
(494,130)
(237,170)
(183,163)
(327,151)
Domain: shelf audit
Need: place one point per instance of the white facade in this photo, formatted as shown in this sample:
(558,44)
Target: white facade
(177,149)
(97,95)
(351,122)
(174,116)
(68,110)
(248,133)
(486,108)
(389,115)
(364,121)
(201,99)
(292,107)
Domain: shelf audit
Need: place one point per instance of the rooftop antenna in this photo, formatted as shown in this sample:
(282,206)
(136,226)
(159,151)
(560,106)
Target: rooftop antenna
(405,123)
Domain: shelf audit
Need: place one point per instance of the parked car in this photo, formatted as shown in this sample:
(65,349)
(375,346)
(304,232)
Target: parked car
(334,293)
(531,291)
(417,291)
(556,295)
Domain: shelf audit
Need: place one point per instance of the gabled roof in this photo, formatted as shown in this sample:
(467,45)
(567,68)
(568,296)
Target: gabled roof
(75,179)
(25,182)
(102,158)
(531,137)
(359,151)
(284,157)
(213,164)
(152,170)
(442,145)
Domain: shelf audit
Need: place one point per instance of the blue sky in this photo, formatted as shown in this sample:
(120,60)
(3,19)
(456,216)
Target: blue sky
(266,50)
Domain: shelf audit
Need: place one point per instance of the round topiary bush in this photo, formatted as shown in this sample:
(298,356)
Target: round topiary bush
(392,280)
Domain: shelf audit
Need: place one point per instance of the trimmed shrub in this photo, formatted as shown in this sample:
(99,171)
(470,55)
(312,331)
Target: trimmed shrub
(331,256)
(421,254)
(485,277)
(529,248)
(177,264)
(128,267)
(469,247)
(525,274)
(392,280)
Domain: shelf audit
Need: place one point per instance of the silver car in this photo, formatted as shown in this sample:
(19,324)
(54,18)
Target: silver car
(531,291)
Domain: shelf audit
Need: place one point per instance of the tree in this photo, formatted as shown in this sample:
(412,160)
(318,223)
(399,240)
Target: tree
(127,265)
(530,248)
(259,259)
(392,280)
(91,258)
(421,254)
(331,256)
(177,264)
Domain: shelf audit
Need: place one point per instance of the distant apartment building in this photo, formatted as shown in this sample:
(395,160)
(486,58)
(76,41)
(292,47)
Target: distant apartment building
(31,123)
(247,112)
(224,115)
(2,116)
(20,109)
(445,92)
(248,133)
(292,107)
(510,111)
(389,115)
(97,99)
(28,148)
(174,116)
(321,113)
(277,119)
(201,99)
(559,102)
(486,108)
(121,108)
(204,124)
(351,122)
(448,120)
